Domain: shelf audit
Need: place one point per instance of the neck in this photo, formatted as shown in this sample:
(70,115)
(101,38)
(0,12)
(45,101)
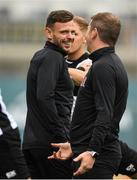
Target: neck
(76,55)
(98,45)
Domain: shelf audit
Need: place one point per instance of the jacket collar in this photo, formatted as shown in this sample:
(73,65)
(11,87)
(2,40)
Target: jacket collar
(82,57)
(55,47)
(100,52)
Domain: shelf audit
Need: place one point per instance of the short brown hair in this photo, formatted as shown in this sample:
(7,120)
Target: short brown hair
(83,24)
(108,27)
(58,16)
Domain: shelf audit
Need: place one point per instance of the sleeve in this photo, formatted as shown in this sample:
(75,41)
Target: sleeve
(48,75)
(104,89)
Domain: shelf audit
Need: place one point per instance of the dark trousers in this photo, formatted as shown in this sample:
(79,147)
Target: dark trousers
(100,170)
(42,168)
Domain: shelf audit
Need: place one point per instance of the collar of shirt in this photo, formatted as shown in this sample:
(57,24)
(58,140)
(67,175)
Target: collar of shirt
(55,47)
(100,52)
(81,58)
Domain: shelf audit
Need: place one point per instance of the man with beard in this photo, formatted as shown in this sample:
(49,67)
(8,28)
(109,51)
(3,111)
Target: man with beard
(49,100)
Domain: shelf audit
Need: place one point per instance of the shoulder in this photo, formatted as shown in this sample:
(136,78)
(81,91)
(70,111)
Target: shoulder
(102,69)
(104,63)
(49,55)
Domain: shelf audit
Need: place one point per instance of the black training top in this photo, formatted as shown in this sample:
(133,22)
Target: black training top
(100,104)
(74,64)
(49,98)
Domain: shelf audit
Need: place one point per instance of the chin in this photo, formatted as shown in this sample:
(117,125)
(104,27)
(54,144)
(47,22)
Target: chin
(66,49)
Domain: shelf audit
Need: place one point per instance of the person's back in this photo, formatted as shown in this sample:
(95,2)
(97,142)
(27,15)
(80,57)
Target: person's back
(121,93)
(114,70)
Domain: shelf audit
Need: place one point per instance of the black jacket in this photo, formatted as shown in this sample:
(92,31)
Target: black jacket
(100,104)
(49,98)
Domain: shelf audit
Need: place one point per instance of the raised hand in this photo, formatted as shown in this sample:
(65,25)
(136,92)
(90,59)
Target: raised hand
(63,153)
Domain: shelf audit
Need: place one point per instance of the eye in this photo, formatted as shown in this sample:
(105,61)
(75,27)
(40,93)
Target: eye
(63,32)
(74,33)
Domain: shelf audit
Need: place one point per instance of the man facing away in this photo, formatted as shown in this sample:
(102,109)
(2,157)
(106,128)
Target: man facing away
(100,105)
(78,65)
(49,99)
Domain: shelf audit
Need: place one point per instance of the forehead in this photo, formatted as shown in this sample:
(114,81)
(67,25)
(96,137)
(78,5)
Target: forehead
(76,26)
(64,26)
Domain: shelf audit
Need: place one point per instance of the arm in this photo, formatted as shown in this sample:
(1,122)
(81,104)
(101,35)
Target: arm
(48,75)
(78,75)
(103,79)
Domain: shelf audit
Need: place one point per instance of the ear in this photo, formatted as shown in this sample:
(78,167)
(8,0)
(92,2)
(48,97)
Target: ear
(49,33)
(94,33)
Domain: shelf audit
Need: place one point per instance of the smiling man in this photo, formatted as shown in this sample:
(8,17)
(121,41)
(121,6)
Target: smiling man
(49,99)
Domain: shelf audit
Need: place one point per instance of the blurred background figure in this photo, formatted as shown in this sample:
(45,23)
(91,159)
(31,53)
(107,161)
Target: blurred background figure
(12,162)
(22,23)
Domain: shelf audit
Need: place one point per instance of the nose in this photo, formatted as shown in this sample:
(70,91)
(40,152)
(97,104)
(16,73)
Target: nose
(70,35)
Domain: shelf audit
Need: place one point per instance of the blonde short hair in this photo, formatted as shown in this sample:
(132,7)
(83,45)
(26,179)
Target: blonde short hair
(83,24)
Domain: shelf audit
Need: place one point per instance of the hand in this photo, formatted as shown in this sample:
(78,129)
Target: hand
(63,153)
(86,66)
(87,162)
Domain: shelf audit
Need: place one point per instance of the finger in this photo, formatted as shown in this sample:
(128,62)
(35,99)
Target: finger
(78,158)
(57,145)
(79,171)
(53,156)
(59,154)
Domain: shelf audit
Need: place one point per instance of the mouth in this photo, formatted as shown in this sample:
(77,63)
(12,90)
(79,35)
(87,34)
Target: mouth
(67,44)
